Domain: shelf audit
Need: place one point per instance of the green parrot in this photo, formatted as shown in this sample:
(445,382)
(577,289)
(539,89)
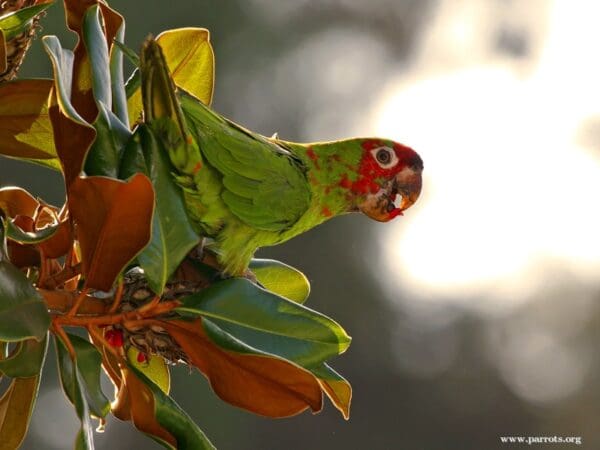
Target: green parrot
(247,191)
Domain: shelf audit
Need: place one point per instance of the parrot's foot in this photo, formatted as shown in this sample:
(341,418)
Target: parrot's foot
(197,253)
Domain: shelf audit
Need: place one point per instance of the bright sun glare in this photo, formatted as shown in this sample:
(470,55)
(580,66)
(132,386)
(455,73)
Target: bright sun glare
(509,195)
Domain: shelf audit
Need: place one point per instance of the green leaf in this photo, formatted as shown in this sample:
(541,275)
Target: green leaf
(111,137)
(26,360)
(71,382)
(14,233)
(281,279)
(16,406)
(269,322)
(23,312)
(117,82)
(97,50)
(190,61)
(62,63)
(172,233)
(335,386)
(88,363)
(172,418)
(153,366)
(26,132)
(17,22)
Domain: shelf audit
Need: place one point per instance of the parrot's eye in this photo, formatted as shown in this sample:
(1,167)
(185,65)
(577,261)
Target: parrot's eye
(385,157)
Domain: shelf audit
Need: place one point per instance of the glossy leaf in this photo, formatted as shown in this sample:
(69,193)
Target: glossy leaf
(172,233)
(73,136)
(17,22)
(172,418)
(76,10)
(26,360)
(23,313)
(115,229)
(15,201)
(190,59)
(97,52)
(269,322)
(16,406)
(243,376)
(72,384)
(135,402)
(119,96)
(153,367)
(26,131)
(15,233)
(88,364)
(111,138)
(336,387)
(281,279)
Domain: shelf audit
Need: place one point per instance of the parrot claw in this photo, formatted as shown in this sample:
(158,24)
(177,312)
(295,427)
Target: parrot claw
(197,253)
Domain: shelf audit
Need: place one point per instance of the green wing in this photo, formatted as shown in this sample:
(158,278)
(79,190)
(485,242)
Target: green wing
(265,186)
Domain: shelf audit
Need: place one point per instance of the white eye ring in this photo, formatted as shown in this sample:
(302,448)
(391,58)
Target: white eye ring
(385,157)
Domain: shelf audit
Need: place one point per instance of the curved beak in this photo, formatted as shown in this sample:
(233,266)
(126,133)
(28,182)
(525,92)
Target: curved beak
(408,184)
(382,206)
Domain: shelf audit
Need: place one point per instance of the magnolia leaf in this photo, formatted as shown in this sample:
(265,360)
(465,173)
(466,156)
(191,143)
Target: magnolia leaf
(26,131)
(156,414)
(17,22)
(269,322)
(114,231)
(190,60)
(88,360)
(83,67)
(26,360)
(15,201)
(153,367)
(279,388)
(172,418)
(73,136)
(16,406)
(15,233)
(119,95)
(111,137)
(281,279)
(335,386)
(23,312)
(97,52)
(71,382)
(173,235)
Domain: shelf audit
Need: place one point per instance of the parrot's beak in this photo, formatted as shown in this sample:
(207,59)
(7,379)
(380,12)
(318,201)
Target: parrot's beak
(408,184)
(384,205)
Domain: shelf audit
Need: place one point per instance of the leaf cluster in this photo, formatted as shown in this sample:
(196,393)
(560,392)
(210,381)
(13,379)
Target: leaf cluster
(120,258)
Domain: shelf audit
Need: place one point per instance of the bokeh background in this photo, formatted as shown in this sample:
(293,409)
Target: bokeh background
(476,315)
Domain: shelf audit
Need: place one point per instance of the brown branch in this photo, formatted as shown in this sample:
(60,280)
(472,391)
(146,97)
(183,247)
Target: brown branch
(58,330)
(112,319)
(61,301)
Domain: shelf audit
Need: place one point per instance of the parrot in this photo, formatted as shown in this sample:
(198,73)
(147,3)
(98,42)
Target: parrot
(246,191)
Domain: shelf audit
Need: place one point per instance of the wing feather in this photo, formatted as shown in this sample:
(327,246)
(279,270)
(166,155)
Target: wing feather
(265,186)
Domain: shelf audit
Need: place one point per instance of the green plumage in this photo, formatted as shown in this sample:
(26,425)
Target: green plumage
(247,191)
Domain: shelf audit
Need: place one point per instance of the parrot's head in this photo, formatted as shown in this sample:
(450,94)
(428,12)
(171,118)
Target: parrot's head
(389,179)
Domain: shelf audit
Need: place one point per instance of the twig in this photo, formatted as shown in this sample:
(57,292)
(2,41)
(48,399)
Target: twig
(117,298)
(58,330)
(112,319)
